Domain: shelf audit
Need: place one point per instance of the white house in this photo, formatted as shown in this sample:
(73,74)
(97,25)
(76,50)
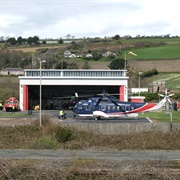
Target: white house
(67,53)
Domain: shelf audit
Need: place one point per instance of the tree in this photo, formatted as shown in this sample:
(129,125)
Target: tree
(60,41)
(35,40)
(96,56)
(62,65)
(19,40)
(29,40)
(117,63)
(74,46)
(43,42)
(12,41)
(13,59)
(116,37)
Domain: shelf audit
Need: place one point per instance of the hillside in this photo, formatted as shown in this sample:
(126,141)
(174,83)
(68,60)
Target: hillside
(161,54)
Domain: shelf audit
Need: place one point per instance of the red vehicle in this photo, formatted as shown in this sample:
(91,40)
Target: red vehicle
(9,103)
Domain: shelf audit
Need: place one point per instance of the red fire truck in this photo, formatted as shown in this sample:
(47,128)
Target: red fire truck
(9,103)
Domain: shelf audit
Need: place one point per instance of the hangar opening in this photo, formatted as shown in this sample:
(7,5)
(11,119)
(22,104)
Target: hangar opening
(57,97)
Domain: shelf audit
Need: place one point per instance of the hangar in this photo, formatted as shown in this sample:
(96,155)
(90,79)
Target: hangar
(53,86)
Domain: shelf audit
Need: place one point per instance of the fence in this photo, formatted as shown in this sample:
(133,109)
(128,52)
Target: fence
(126,128)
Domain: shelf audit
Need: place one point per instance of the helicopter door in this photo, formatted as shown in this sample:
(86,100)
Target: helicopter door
(89,106)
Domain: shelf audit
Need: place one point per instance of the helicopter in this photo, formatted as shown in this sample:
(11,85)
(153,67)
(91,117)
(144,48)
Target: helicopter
(105,105)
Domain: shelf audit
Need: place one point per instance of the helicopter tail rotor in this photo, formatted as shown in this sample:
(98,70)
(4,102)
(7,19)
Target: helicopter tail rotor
(167,96)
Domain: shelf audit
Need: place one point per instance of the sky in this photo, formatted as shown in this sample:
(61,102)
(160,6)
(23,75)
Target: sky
(88,18)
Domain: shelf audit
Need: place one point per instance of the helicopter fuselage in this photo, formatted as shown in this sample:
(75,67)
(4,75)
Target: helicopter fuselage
(104,107)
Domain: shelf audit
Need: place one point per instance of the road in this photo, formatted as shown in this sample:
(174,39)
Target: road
(90,154)
(54,113)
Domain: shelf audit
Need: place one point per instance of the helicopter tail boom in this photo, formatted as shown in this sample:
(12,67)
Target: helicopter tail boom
(160,104)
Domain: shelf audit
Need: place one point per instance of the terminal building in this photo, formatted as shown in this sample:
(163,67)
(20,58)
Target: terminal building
(55,86)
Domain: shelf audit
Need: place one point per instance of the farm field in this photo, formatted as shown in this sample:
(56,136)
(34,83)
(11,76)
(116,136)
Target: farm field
(161,116)
(172,80)
(164,52)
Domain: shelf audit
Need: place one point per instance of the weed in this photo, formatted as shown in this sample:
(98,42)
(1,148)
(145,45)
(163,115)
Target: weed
(45,120)
(44,142)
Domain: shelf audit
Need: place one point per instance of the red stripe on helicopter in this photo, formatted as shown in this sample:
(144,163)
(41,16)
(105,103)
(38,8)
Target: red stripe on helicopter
(144,108)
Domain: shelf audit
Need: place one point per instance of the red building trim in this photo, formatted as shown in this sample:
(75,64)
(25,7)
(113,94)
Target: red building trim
(25,98)
(139,99)
(121,93)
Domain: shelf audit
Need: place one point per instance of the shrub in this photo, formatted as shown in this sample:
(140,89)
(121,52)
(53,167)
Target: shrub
(63,134)
(149,73)
(150,96)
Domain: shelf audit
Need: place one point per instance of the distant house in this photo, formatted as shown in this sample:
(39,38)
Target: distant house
(79,55)
(67,53)
(72,56)
(107,53)
(12,71)
(89,55)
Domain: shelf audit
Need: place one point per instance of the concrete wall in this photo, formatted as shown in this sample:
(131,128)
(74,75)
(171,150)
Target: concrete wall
(125,128)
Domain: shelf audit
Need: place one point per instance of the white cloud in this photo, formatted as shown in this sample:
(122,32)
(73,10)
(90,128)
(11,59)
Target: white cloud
(82,18)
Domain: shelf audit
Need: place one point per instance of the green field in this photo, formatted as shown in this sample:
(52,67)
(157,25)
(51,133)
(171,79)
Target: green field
(162,116)
(165,52)
(165,40)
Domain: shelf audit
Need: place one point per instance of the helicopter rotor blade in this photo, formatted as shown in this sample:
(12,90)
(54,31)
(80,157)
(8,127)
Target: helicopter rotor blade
(161,95)
(169,101)
(171,95)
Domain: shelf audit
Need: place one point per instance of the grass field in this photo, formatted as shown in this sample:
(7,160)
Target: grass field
(165,52)
(162,116)
(166,40)
(172,80)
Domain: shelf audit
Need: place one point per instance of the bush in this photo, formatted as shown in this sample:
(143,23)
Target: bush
(150,96)
(63,134)
(149,73)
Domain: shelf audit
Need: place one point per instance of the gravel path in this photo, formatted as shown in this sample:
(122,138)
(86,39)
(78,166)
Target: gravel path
(90,154)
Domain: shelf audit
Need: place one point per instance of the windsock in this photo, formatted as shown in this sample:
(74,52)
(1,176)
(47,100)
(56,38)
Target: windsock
(132,53)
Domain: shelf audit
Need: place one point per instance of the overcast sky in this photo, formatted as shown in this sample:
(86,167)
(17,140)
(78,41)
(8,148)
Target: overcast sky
(88,18)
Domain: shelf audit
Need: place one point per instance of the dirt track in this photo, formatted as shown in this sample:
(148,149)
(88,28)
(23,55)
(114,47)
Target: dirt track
(90,154)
